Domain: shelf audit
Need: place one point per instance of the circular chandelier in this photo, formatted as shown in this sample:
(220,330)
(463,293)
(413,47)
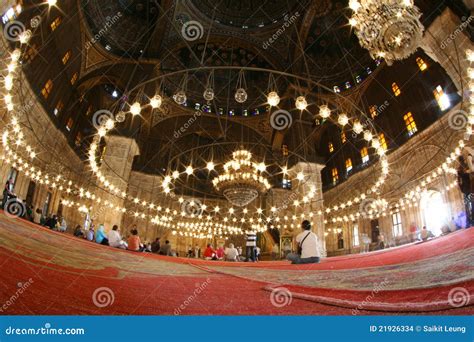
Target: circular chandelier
(242,180)
(390,29)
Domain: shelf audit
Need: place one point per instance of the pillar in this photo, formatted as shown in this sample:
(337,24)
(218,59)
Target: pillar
(116,167)
(312,173)
(445,41)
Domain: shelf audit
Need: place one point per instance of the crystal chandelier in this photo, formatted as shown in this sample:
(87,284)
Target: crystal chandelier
(390,29)
(242,180)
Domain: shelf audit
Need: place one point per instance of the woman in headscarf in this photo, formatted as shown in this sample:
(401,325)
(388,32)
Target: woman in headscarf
(100,236)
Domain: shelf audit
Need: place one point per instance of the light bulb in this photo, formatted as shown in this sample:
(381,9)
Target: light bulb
(273,99)
(189,170)
(135,109)
(155,101)
(208,94)
(358,128)
(210,166)
(324,111)
(52,2)
(240,95)
(301,103)
(343,119)
(368,135)
(180,97)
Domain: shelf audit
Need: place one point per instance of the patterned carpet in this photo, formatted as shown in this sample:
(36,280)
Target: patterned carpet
(45,272)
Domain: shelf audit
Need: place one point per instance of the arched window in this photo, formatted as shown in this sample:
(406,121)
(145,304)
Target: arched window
(373,111)
(421,63)
(343,137)
(364,153)
(348,164)
(383,141)
(396,89)
(335,176)
(331,147)
(410,124)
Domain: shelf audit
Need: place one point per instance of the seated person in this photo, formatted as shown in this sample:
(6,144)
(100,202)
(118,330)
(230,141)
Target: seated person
(100,236)
(231,253)
(134,241)
(210,253)
(63,226)
(155,246)
(115,240)
(220,253)
(426,234)
(166,249)
(78,231)
(308,246)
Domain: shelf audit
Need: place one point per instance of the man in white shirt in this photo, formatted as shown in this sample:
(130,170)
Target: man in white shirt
(115,240)
(308,245)
(231,253)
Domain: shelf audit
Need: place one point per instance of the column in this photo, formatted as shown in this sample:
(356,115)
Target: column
(445,41)
(312,173)
(116,167)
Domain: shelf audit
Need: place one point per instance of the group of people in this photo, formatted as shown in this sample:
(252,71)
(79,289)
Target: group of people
(114,239)
(230,253)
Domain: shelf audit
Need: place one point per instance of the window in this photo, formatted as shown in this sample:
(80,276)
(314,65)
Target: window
(78,140)
(396,89)
(66,57)
(355,233)
(348,164)
(59,107)
(70,123)
(383,142)
(11,14)
(331,147)
(397,228)
(48,87)
(441,98)
(410,124)
(74,78)
(284,150)
(373,111)
(421,64)
(335,176)
(30,54)
(55,23)
(286,183)
(364,153)
(343,137)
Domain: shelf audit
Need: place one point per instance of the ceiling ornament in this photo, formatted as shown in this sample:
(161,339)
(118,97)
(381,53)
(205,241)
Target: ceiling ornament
(242,180)
(390,29)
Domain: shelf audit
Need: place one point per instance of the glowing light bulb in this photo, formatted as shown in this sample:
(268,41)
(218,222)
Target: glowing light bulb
(324,111)
(135,109)
(155,101)
(210,166)
(354,5)
(301,103)
(189,170)
(273,99)
(343,119)
(52,2)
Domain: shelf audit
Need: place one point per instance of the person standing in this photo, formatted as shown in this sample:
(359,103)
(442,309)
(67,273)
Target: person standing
(464,182)
(308,246)
(251,244)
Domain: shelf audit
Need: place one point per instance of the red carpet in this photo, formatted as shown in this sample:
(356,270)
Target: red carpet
(71,276)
